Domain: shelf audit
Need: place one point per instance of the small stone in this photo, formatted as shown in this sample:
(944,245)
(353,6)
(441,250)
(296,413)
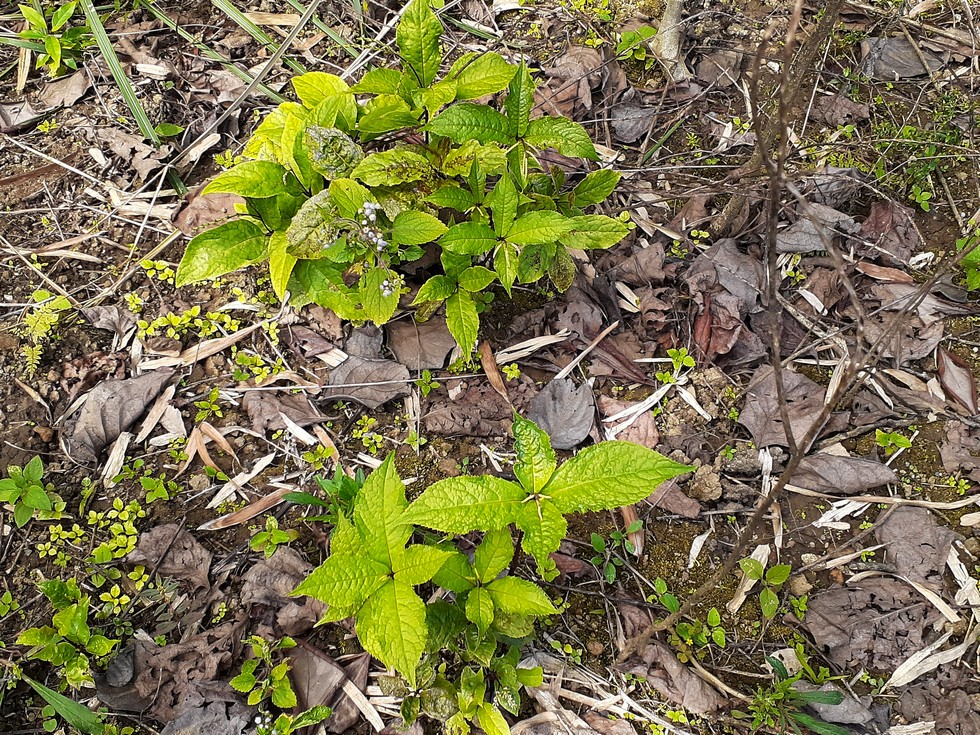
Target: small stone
(595,647)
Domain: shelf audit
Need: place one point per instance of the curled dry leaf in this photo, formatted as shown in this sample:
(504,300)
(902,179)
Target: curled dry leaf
(269,584)
(958,380)
(493,372)
(565,411)
(110,408)
(420,345)
(841,475)
(369,382)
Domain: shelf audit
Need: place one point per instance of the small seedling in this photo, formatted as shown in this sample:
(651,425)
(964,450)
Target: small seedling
(633,45)
(606,557)
(772,579)
(263,677)
(271,538)
(426,384)
(30,498)
(891,441)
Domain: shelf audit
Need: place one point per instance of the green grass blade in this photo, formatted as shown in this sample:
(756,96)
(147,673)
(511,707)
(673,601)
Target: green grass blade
(327,30)
(21,43)
(255,32)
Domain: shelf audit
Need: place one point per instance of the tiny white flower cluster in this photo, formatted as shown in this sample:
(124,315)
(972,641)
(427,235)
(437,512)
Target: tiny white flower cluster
(387,288)
(368,216)
(263,723)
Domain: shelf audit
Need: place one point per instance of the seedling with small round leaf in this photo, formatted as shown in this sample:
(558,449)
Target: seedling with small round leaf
(772,579)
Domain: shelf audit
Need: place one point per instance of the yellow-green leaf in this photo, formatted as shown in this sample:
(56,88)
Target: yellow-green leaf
(220,250)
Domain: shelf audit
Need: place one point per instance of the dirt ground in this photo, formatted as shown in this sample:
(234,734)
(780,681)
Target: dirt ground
(876,520)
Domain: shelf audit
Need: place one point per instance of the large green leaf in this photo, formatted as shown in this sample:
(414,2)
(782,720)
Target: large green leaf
(544,528)
(476,278)
(391,627)
(75,714)
(437,288)
(469,121)
(378,514)
(486,74)
(464,504)
(412,227)
(420,563)
(610,475)
(594,231)
(503,202)
(595,187)
(275,212)
(397,166)
(520,100)
(281,263)
(535,458)
(453,197)
(493,554)
(344,581)
(349,197)
(536,228)
(314,227)
(418,41)
(266,142)
(520,597)
(436,97)
(380,289)
(468,238)
(491,721)
(322,282)
(385,114)
(315,86)
(379,81)
(222,249)
(463,320)
(490,157)
(505,264)
(456,574)
(254,180)
(567,137)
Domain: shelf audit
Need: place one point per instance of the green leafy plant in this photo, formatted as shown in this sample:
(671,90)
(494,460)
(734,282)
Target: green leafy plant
(208,407)
(607,557)
(340,492)
(28,495)
(971,261)
(335,220)
(633,45)
(78,716)
(272,537)
(286,724)
(263,677)
(426,384)
(780,705)
(604,476)
(69,641)
(771,579)
(891,441)
(59,44)
(38,322)
(920,196)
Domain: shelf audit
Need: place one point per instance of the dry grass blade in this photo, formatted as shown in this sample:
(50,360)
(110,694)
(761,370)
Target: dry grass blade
(327,30)
(239,19)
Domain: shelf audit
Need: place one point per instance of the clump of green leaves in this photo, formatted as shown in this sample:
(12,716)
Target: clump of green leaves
(448,650)
(971,261)
(891,441)
(270,539)
(38,322)
(59,44)
(780,705)
(69,641)
(633,44)
(335,221)
(28,495)
(771,579)
(263,677)
(337,498)
(607,557)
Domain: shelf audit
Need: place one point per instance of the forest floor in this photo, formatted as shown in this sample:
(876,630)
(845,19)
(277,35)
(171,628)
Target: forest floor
(171,422)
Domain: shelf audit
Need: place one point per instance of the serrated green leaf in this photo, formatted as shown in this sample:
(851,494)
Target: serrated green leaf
(348,196)
(520,597)
(536,228)
(520,100)
(275,212)
(505,262)
(456,574)
(536,460)
(327,151)
(436,97)
(344,581)
(468,238)
(380,289)
(479,608)
(778,574)
(486,74)
(281,263)
(36,497)
(476,278)
(469,121)
(610,475)
(293,125)
(253,180)
(337,111)
(313,228)
(463,320)
(752,568)
(512,626)
(397,166)
(417,37)
(385,114)
(544,529)
(491,721)
(222,249)
(321,282)
(412,227)
(420,563)
(594,231)
(453,197)
(464,504)
(391,627)
(491,159)
(23,514)
(283,697)
(379,81)
(437,288)
(562,269)
(344,538)
(768,602)
(75,714)
(315,86)
(567,137)
(378,514)
(503,202)
(596,187)
(266,142)
(493,554)
(243,682)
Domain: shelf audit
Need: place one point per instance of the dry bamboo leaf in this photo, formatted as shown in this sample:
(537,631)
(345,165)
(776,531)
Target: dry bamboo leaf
(957,379)
(493,372)
(248,512)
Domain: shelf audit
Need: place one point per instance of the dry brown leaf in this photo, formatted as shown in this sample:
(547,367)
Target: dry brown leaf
(201,212)
(565,411)
(171,551)
(957,379)
(369,382)
(248,512)
(665,673)
(268,585)
(493,372)
(420,345)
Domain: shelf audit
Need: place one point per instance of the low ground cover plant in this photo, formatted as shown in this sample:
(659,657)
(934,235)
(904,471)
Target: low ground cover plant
(351,182)
(458,654)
